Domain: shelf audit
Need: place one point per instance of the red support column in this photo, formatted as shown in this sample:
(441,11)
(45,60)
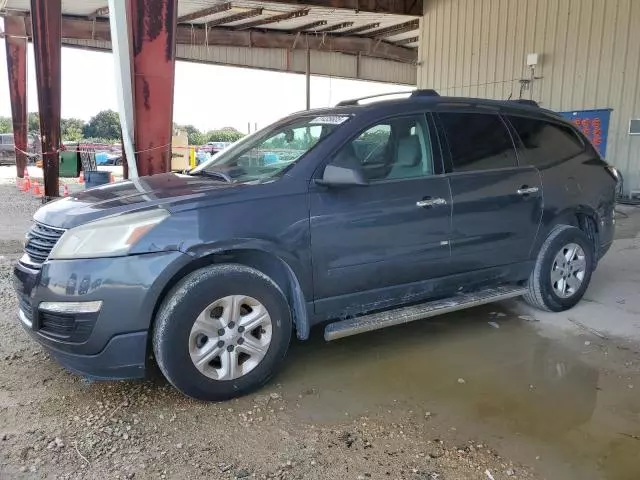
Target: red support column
(16,44)
(153,29)
(46,18)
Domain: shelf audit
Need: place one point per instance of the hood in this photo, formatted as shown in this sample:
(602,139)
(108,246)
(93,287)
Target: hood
(131,195)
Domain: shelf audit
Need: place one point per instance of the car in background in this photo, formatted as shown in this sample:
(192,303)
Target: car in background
(8,152)
(205,152)
(214,147)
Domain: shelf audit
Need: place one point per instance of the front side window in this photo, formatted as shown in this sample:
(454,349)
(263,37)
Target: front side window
(478,141)
(546,143)
(268,153)
(398,148)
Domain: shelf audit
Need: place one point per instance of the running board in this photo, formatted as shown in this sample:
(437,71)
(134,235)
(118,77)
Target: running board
(376,321)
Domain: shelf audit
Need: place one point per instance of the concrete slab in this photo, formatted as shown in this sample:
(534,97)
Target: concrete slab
(611,306)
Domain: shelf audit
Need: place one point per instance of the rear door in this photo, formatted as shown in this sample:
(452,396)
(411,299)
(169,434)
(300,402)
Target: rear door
(497,203)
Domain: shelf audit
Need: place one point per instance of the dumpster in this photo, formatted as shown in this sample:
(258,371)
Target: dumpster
(95,178)
(69,161)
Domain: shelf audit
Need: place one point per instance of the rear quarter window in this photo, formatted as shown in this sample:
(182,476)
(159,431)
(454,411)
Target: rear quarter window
(546,143)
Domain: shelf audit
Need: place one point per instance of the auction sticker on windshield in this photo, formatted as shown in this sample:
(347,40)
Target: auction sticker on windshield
(330,120)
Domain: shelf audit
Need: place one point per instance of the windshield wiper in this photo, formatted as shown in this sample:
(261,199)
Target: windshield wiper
(214,174)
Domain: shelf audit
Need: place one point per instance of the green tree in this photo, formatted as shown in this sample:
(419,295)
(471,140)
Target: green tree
(105,124)
(225,135)
(6,126)
(196,137)
(72,129)
(34,122)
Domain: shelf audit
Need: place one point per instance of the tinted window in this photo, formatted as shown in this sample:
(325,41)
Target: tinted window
(546,143)
(390,150)
(478,141)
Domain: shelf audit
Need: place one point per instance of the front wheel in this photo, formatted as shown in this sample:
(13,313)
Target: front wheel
(222,332)
(562,271)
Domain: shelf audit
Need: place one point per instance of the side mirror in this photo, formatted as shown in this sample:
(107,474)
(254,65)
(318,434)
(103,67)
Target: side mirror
(335,176)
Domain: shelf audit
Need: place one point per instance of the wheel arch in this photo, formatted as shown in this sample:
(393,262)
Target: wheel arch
(583,217)
(271,264)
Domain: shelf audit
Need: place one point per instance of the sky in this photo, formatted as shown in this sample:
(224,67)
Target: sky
(206,96)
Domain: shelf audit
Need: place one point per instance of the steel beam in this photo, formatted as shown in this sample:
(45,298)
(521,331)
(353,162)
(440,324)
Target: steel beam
(205,12)
(46,17)
(333,28)
(236,17)
(122,56)
(153,34)
(309,26)
(361,28)
(274,19)
(82,29)
(407,41)
(16,44)
(396,29)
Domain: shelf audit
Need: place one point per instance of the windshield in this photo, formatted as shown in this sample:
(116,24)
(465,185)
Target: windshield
(268,153)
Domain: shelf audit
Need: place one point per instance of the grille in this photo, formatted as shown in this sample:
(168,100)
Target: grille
(40,241)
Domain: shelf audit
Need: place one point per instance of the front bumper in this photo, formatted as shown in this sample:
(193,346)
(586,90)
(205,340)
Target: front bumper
(111,343)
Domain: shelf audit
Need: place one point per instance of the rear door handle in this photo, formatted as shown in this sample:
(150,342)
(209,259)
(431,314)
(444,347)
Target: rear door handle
(527,190)
(431,202)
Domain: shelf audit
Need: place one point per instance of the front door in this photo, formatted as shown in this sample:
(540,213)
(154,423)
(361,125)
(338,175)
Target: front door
(372,245)
(497,204)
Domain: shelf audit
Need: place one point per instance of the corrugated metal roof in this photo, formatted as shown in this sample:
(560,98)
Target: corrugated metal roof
(332,16)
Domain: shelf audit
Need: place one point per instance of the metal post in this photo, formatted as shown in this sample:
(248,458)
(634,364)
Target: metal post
(121,46)
(46,19)
(308,79)
(16,45)
(153,34)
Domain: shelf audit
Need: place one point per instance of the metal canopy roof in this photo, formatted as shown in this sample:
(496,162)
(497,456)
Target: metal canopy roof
(326,17)
(376,42)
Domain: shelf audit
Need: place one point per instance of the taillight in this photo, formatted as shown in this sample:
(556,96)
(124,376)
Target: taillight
(613,171)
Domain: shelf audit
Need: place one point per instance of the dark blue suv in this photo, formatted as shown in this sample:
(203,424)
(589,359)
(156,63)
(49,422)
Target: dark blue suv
(358,217)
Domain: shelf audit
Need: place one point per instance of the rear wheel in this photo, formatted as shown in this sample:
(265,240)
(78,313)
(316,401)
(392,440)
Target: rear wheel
(563,270)
(222,332)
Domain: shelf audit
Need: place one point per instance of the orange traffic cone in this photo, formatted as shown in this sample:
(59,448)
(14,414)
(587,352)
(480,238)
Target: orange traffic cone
(26,173)
(36,189)
(81,177)
(65,191)
(111,178)
(26,185)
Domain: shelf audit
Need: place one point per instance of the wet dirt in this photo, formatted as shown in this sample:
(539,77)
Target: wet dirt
(572,403)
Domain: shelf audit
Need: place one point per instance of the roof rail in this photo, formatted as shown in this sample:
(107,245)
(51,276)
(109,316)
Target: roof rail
(410,93)
(524,101)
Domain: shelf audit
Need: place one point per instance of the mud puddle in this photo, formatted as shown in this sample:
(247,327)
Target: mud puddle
(560,405)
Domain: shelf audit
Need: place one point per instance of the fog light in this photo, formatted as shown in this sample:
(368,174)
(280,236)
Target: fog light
(71,307)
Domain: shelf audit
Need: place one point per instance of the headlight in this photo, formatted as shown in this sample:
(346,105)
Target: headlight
(111,237)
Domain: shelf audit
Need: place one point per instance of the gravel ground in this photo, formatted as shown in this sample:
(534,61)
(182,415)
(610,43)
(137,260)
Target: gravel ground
(54,424)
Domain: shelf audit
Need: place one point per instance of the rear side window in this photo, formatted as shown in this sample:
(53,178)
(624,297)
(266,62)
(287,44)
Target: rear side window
(546,143)
(478,141)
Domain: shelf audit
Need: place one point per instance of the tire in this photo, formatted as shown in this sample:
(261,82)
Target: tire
(543,291)
(177,339)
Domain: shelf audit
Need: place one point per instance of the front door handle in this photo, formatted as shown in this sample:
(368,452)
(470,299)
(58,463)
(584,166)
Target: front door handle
(524,190)
(431,202)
